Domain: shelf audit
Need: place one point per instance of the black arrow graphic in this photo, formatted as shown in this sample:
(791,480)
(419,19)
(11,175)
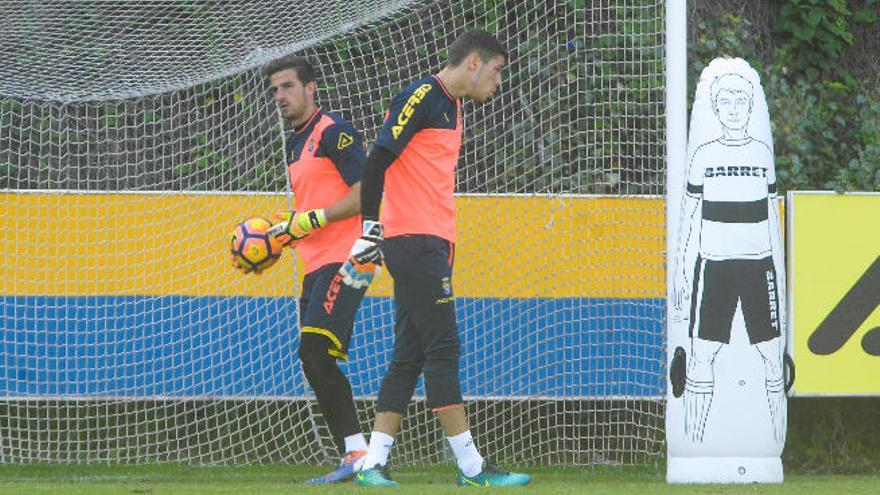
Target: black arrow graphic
(849,314)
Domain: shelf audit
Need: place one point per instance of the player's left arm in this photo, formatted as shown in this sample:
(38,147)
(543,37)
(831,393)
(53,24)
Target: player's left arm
(348,206)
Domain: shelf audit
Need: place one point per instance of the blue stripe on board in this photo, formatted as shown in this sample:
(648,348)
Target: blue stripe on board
(145,346)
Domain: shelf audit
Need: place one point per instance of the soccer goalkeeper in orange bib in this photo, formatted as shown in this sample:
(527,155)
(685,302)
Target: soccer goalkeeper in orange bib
(327,160)
(413,161)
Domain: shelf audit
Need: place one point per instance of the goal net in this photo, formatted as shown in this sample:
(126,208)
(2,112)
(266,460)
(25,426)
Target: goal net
(135,135)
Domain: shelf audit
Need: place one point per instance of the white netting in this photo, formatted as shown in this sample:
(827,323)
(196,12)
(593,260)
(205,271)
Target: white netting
(100,49)
(133,135)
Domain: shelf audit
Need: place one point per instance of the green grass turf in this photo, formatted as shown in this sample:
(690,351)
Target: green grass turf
(268,480)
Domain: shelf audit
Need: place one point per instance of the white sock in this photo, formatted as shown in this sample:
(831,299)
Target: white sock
(466,454)
(377,452)
(355,442)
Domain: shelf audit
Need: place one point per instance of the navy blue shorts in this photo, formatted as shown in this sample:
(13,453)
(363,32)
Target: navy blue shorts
(327,307)
(425,334)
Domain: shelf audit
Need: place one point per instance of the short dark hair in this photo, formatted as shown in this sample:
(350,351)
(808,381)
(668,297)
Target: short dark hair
(304,70)
(475,40)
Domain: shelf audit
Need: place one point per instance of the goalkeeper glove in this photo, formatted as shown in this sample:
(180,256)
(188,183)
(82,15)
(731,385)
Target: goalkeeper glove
(293,226)
(365,257)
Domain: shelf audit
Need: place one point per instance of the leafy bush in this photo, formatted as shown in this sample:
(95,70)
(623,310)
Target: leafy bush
(826,134)
(815,33)
(824,120)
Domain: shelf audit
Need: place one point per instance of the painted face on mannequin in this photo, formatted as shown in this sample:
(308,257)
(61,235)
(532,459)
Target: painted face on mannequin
(733,108)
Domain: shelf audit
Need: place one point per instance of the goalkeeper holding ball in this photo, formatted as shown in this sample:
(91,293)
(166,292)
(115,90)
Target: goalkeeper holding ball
(413,161)
(326,163)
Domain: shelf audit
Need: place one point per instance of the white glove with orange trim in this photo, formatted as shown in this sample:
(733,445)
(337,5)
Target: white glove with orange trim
(365,259)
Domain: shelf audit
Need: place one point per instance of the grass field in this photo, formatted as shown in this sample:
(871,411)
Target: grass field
(269,480)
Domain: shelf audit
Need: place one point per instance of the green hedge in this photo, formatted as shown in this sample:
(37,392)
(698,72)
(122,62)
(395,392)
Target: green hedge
(824,106)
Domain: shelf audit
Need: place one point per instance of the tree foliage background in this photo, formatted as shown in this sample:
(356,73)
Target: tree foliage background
(819,61)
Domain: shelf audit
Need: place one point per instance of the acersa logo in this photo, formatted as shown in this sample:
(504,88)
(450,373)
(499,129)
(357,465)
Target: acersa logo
(409,107)
(332,293)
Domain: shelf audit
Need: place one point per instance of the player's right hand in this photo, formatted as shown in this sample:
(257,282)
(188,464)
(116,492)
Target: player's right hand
(365,257)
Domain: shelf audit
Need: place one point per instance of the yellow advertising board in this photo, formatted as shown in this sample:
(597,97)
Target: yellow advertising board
(834,265)
(177,244)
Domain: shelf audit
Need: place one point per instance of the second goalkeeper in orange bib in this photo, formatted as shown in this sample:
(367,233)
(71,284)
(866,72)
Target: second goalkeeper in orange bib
(413,161)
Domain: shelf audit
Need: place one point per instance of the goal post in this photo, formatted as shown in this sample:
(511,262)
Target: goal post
(135,135)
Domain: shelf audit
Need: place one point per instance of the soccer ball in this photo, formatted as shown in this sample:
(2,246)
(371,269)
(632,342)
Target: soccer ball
(253,250)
